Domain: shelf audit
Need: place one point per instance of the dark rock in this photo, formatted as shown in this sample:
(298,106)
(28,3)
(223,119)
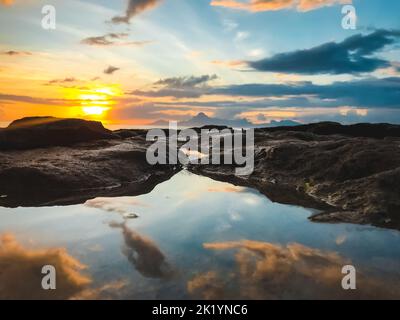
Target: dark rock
(350,173)
(351,179)
(377,131)
(128,133)
(38,132)
(72,175)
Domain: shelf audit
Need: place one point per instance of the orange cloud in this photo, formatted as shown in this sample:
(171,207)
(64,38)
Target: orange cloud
(271,271)
(117,205)
(229,63)
(21,277)
(106,292)
(7,2)
(209,284)
(20,272)
(274,5)
(227,189)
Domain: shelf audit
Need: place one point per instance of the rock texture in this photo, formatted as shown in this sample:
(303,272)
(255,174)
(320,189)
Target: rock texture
(37,132)
(350,173)
(107,164)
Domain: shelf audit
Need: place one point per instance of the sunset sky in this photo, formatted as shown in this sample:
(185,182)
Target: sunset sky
(134,62)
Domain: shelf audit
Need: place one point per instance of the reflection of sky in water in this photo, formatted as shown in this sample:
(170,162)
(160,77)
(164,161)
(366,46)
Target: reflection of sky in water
(196,237)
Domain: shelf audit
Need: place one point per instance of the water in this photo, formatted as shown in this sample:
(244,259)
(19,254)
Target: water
(194,238)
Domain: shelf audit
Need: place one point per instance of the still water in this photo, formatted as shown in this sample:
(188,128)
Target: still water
(192,237)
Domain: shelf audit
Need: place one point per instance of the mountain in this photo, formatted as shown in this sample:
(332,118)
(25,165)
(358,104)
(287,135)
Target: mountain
(201,119)
(282,123)
(161,123)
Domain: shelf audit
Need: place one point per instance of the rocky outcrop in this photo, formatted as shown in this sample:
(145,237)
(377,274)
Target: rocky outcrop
(69,175)
(366,130)
(39,132)
(350,178)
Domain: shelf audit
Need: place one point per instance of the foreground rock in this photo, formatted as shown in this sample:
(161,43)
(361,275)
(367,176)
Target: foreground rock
(58,175)
(348,176)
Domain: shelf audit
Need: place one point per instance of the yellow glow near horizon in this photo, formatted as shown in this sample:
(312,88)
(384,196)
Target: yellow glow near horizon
(94,104)
(94,111)
(94,101)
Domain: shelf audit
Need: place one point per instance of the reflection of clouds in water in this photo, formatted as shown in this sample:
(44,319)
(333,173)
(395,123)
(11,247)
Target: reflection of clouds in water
(107,291)
(234,215)
(20,272)
(210,186)
(252,200)
(121,205)
(21,277)
(222,226)
(341,239)
(226,189)
(95,248)
(143,253)
(270,271)
(209,284)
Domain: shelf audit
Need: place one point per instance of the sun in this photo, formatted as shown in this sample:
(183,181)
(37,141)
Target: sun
(95,101)
(94,111)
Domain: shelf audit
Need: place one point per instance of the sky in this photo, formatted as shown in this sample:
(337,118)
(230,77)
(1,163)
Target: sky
(133,62)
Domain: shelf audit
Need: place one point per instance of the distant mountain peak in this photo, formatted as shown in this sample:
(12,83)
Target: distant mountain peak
(201,119)
(201,115)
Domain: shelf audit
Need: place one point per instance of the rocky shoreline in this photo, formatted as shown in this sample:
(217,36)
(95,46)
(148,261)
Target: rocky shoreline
(348,177)
(349,173)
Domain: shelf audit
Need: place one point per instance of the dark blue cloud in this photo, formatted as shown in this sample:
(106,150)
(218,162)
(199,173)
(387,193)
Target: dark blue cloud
(232,104)
(368,93)
(371,92)
(351,56)
(178,87)
(186,82)
(169,92)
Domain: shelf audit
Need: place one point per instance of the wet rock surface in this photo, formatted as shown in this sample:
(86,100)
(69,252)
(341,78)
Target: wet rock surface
(349,177)
(111,165)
